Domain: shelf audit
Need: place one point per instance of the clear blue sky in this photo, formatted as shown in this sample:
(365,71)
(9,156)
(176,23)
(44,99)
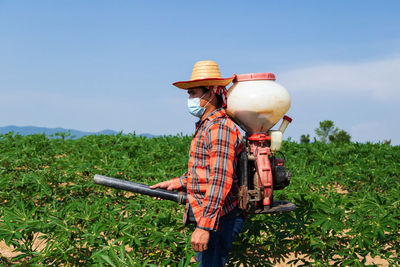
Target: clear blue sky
(93,65)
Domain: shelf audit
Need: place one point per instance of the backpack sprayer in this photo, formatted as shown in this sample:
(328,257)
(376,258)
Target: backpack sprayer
(256,103)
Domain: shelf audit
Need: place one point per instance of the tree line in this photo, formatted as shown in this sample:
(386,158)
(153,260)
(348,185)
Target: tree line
(327,132)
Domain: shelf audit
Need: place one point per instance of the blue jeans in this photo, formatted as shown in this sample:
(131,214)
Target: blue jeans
(220,242)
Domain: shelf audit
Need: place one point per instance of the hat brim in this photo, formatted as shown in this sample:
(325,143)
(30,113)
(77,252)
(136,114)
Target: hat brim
(204,82)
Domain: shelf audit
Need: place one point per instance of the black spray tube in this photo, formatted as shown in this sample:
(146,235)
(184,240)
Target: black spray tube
(243,165)
(179,197)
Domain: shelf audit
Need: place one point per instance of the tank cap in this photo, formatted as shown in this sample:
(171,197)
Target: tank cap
(254,77)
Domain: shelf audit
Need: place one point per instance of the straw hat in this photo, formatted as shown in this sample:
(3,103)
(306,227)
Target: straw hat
(204,73)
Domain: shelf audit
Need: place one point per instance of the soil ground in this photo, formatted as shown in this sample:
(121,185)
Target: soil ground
(8,252)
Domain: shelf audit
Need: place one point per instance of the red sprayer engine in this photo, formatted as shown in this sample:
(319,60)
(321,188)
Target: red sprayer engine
(260,173)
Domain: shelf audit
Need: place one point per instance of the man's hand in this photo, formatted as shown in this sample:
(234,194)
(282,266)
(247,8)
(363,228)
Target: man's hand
(169,185)
(200,239)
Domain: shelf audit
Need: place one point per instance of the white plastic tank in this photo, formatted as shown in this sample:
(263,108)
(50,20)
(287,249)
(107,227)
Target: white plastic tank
(256,102)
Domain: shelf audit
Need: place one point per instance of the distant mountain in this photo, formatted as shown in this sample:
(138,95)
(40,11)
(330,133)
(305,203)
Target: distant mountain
(27,130)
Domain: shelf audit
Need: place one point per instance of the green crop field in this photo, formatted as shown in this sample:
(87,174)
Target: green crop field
(52,214)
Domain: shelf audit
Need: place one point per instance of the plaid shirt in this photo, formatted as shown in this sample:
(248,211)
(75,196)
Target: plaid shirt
(211,182)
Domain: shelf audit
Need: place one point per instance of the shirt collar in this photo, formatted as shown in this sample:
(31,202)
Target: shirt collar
(220,112)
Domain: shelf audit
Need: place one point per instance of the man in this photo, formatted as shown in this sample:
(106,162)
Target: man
(210,182)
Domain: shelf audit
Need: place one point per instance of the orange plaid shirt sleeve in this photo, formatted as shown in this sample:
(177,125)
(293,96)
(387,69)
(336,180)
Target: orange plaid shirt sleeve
(211,181)
(181,181)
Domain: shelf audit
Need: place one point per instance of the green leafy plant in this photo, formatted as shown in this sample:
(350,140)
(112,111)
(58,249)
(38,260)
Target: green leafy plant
(51,213)
(305,139)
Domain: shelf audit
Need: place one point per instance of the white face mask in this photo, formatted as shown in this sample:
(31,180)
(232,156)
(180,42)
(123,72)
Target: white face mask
(194,106)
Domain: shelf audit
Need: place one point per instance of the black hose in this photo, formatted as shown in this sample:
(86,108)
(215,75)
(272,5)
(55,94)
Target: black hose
(143,189)
(243,163)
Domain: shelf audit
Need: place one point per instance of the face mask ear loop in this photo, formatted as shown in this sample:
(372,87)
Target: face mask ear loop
(207,102)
